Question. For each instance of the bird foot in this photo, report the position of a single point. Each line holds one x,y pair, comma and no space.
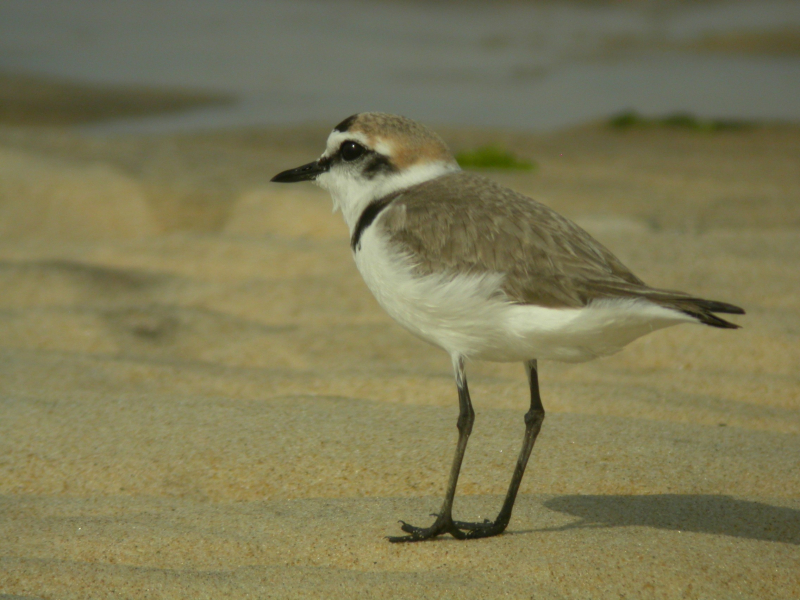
481,530
461,530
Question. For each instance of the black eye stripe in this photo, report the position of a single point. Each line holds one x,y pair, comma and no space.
372,163
378,165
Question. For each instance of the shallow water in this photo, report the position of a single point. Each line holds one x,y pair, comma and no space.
516,65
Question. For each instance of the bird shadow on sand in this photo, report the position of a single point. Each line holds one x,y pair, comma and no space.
714,514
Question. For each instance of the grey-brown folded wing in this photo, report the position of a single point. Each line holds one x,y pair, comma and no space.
468,224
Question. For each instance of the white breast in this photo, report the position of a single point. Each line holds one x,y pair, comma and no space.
469,316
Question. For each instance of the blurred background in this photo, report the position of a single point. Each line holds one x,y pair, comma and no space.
198,393
511,64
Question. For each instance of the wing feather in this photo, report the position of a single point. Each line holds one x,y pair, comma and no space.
466,223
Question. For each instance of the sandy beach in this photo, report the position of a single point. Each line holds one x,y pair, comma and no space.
199,398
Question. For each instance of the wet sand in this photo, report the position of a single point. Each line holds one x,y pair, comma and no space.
38,100
200,398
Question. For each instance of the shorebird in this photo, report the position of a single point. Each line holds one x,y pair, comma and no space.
482,272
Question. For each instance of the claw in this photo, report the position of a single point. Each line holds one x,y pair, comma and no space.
409,528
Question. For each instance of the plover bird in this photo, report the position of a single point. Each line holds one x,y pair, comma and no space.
482,272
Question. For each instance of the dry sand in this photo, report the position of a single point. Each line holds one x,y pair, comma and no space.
199,398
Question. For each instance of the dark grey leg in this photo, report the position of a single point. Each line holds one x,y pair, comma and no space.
533,424
444,519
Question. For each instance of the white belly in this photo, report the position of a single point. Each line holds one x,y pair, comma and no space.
467,315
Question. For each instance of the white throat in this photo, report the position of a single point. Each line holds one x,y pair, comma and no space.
352,194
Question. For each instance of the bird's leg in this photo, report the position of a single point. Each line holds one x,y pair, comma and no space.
533,424
444,519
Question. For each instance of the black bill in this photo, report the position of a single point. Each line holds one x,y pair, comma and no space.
305,173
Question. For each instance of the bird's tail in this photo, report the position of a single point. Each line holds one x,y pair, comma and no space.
700,309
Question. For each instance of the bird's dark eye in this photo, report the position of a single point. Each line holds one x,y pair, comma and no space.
351,150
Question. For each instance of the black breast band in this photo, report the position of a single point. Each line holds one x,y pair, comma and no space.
370,213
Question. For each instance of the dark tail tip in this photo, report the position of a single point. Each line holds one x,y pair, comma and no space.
703,311
720,307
